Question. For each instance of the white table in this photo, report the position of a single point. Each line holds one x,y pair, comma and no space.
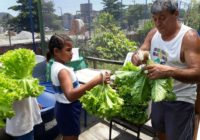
87,74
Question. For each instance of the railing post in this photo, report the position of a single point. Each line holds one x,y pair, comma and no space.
94,64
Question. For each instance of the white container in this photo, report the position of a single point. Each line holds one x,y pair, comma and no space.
75,52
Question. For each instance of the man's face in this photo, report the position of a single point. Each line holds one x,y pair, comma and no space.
164,21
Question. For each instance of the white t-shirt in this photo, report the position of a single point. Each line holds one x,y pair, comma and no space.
55,69
27,115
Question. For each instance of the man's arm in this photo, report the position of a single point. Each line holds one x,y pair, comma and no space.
191,56
144,47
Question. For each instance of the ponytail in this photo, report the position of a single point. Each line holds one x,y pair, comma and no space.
48,56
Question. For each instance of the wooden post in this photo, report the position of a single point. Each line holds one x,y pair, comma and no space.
94,64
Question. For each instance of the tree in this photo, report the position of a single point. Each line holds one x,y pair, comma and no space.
4,20
113,7
193,15
50,19
103,19
22,21
110,43
135,13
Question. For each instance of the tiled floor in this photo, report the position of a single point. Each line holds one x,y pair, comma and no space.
98,129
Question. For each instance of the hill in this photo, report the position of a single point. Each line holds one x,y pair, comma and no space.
2,14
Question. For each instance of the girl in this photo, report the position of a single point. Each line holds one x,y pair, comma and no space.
66,85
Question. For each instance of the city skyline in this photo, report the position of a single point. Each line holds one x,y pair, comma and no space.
72,6
67,6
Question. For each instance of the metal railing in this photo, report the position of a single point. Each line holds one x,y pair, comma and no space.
95,60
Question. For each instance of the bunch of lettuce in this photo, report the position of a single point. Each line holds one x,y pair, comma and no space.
102,101
16,81
134,87
161,89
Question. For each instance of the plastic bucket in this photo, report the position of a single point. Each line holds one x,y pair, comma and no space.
39,70
75,52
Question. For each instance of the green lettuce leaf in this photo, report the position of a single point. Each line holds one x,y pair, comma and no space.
162,90
18,64
102,101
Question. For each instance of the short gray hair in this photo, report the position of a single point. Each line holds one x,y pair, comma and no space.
161,5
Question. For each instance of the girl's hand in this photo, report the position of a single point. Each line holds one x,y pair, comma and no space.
105,77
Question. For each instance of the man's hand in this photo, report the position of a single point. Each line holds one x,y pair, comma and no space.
158,71
140,57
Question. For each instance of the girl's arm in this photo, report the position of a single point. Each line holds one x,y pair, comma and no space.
73,94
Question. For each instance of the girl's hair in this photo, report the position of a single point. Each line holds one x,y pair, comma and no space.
161,5
56,41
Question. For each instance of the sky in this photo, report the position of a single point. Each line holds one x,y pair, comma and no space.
67,6
70,6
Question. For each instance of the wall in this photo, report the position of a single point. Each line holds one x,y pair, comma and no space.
29,45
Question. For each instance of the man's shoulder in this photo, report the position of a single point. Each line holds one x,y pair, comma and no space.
191,39
151,34
191,35
191,32
188,29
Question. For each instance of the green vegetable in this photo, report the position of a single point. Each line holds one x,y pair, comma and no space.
16,81
132,86
102,101
18,64
137,90
162,90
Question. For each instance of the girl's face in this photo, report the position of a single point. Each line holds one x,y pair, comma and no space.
65,54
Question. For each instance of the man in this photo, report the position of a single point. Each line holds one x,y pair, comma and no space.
175,48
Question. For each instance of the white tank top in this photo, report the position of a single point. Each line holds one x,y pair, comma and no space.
55,69
168,53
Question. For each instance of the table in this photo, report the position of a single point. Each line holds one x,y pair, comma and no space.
133,127
87,74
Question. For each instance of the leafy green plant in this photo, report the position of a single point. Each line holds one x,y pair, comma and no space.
132,85
102,101
192,16
148,25
136,89
111,43
103,19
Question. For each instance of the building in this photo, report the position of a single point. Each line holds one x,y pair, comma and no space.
67,19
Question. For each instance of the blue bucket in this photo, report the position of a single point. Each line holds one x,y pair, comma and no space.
47,130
